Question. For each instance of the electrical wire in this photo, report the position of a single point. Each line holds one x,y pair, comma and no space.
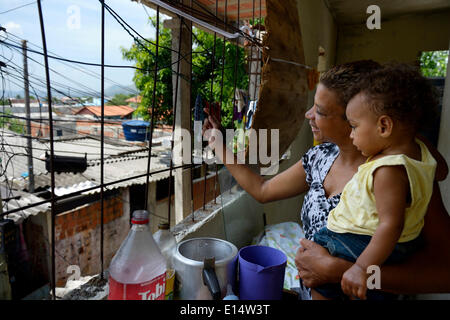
10,45
78,68
76,193
19,7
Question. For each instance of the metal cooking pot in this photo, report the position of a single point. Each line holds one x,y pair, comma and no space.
203,268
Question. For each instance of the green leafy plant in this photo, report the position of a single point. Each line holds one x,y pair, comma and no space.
234,72
13,124
119,99
434,63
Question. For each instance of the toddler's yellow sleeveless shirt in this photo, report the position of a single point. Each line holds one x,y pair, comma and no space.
356,211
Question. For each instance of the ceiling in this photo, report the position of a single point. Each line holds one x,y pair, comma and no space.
247,8
347,12
206,10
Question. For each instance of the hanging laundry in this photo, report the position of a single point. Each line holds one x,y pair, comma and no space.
241,104
250,113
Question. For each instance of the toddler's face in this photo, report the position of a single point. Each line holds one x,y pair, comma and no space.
364,126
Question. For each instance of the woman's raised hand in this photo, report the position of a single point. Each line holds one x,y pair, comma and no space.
210,123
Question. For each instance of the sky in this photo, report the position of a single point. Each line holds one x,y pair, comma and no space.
73,31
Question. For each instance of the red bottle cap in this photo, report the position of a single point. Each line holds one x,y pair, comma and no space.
140,217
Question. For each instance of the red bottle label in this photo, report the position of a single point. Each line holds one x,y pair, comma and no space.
150,290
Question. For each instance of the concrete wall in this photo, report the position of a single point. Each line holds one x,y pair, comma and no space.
161,207
444,134
318,29
43,130
77,235
399,39
238,220
111,130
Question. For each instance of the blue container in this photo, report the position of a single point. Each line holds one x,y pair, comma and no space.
136,130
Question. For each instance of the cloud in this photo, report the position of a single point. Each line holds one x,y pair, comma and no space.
14,28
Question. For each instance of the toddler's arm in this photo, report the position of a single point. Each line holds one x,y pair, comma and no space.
425,271
391,187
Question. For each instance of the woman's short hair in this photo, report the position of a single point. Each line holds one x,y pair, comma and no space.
400,91
343,78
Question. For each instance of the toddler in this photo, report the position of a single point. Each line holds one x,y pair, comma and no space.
381,211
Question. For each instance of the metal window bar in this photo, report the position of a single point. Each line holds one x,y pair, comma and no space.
52,173
79,192
150,140
102,137
220,106
211,100
174,118
249,59
216,180
53,200
92,64
191,125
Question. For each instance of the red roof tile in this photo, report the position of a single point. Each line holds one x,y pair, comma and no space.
110,111
136,99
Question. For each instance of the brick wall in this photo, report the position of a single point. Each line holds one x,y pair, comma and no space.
111,130
199,187
78,234
39,129
161,206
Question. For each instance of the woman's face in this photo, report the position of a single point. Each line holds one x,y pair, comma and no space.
327,117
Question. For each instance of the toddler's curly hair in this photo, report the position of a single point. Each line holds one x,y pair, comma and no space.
400,91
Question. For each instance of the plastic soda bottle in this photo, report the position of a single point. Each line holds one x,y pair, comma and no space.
167,244
138,270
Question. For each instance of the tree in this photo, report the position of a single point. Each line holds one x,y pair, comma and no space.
119,99
234,70
434,63
7,120
144,54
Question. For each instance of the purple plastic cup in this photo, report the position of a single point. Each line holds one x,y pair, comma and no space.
261,273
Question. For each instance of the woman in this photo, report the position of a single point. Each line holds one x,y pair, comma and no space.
426,271
323,172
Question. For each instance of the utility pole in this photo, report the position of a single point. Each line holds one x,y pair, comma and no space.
28,115
181,48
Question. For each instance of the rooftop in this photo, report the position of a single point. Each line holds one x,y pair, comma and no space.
121,161
136,99
110,111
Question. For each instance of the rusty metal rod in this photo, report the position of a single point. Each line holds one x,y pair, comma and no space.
52,151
